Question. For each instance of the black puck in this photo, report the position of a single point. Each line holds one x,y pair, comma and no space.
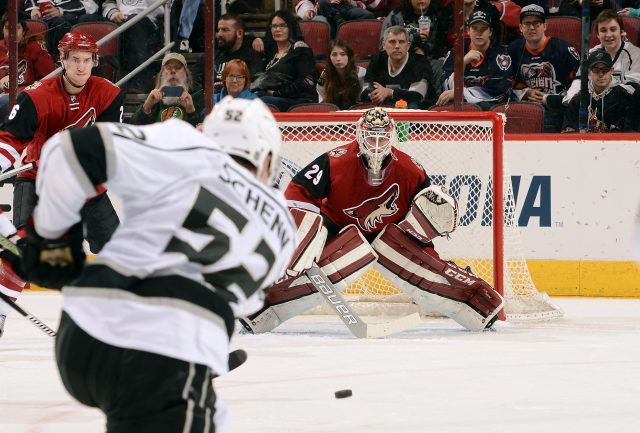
343,393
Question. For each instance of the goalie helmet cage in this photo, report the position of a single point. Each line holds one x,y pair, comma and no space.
463,151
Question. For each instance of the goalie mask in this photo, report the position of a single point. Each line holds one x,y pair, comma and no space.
376,134
246,128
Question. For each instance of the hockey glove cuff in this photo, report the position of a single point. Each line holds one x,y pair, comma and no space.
52,263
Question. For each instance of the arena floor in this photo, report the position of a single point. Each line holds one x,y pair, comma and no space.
580,373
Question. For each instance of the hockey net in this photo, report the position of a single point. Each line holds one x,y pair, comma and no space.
464,152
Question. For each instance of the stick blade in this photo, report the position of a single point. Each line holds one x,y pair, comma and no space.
380,330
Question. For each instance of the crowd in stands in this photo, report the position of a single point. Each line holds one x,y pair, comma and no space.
509,57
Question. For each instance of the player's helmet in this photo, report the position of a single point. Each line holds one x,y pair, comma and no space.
76,41
376,134
246,129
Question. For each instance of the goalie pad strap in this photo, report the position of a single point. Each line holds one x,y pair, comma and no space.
454,292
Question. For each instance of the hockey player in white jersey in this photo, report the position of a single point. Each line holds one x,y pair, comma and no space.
146,325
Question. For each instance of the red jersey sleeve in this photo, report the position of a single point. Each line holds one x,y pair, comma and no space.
41,60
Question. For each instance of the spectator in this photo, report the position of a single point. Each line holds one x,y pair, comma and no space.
232,43
397,73
290,73
431,42
60,16
307,10
471,6
339,11
613,106
92,12
237,81
34,62
544,65
574,8
629,8
488,76
625,55
188,16
170,98
139,41
342,80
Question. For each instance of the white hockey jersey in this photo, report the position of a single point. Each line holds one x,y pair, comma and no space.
626,67
190,214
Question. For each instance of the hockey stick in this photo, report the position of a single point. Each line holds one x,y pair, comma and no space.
10,247
349,317
9,174
50,332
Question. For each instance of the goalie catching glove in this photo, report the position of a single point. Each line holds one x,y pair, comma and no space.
433,213
52,263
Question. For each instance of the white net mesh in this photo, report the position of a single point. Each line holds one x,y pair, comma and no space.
458,153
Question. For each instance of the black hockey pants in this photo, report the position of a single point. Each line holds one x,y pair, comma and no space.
139,392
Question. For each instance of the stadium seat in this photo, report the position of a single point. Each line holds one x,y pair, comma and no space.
109,52
316,35
566,28
449,107
37,27
632,28
362,35
522,117
273,108
314,107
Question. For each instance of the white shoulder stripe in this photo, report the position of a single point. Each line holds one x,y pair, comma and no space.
303,205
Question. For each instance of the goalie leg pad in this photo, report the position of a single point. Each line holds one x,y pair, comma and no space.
345,259
287,298
434,283
311,235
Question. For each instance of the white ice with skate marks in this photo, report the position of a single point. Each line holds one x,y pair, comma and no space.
580,373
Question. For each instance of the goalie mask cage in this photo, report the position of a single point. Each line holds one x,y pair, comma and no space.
463,151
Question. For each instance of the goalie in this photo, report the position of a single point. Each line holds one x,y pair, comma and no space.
369,201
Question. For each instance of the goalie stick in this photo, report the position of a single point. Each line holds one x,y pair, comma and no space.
349,317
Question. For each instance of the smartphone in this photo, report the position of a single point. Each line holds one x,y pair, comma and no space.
172,91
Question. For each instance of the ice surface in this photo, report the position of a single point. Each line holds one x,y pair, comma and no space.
577,374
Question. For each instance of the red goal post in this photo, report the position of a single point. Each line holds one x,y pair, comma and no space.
463,151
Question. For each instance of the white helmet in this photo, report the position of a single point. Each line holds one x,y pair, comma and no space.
376,134
247,129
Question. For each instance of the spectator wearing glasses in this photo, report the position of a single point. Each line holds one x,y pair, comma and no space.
290,73
236,79
543,65
613,106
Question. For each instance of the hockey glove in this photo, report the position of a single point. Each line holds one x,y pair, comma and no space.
52,263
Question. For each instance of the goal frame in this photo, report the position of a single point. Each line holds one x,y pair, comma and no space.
497,121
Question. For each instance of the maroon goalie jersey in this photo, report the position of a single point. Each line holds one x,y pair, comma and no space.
335,185
45,108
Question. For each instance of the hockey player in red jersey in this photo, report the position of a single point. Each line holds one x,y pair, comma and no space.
374,202
73,99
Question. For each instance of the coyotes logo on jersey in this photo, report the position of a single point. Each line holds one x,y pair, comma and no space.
370,212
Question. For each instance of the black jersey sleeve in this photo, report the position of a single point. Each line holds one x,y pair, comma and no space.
312,183
23,118
114,111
